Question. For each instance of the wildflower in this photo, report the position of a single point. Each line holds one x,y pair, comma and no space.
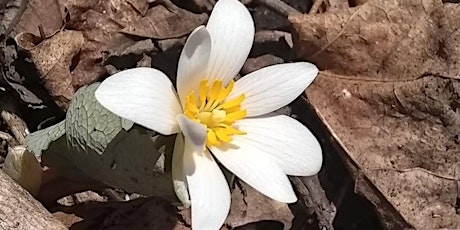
217,118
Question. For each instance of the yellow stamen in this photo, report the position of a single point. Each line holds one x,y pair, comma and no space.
234,102
232,117
213,110
211,138
202,91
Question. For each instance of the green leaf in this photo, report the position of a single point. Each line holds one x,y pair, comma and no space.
107,148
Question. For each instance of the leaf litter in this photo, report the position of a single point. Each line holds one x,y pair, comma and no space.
387,92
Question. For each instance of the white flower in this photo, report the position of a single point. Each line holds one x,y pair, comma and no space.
217,118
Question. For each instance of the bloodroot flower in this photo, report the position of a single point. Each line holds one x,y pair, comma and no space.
219,119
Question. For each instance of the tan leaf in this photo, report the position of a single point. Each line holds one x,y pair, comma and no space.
100,23
249,205
140,5
389,94
53,59
383,39
47,14
162,23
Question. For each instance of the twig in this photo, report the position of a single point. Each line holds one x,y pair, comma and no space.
264,36
278,7
314,197
8,138
315,7
16,125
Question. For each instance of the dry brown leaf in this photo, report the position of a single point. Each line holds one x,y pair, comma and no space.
100,23
53,58
249,205
394,41
47,14
161,22
390,96
140,5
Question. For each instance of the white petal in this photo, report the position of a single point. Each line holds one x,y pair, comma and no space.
208,189
193,62
232,33
178,174
256,169
291,144
193,131
273,87
144,96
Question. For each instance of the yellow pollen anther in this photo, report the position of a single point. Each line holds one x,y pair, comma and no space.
212,109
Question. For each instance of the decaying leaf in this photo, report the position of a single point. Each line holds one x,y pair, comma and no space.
161,22
389,94
249,205
53,58
100,23
45,15
10,14
140,5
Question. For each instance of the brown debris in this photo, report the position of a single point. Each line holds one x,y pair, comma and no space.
372,40
21,211
388,93
142,214
249,205
16,125
140,5
253,64
42,18
53,58
161,22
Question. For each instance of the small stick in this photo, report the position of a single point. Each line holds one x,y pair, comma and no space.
8,138
16,125
272,36
315,7
278,7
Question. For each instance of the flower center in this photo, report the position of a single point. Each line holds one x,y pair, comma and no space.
215,112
